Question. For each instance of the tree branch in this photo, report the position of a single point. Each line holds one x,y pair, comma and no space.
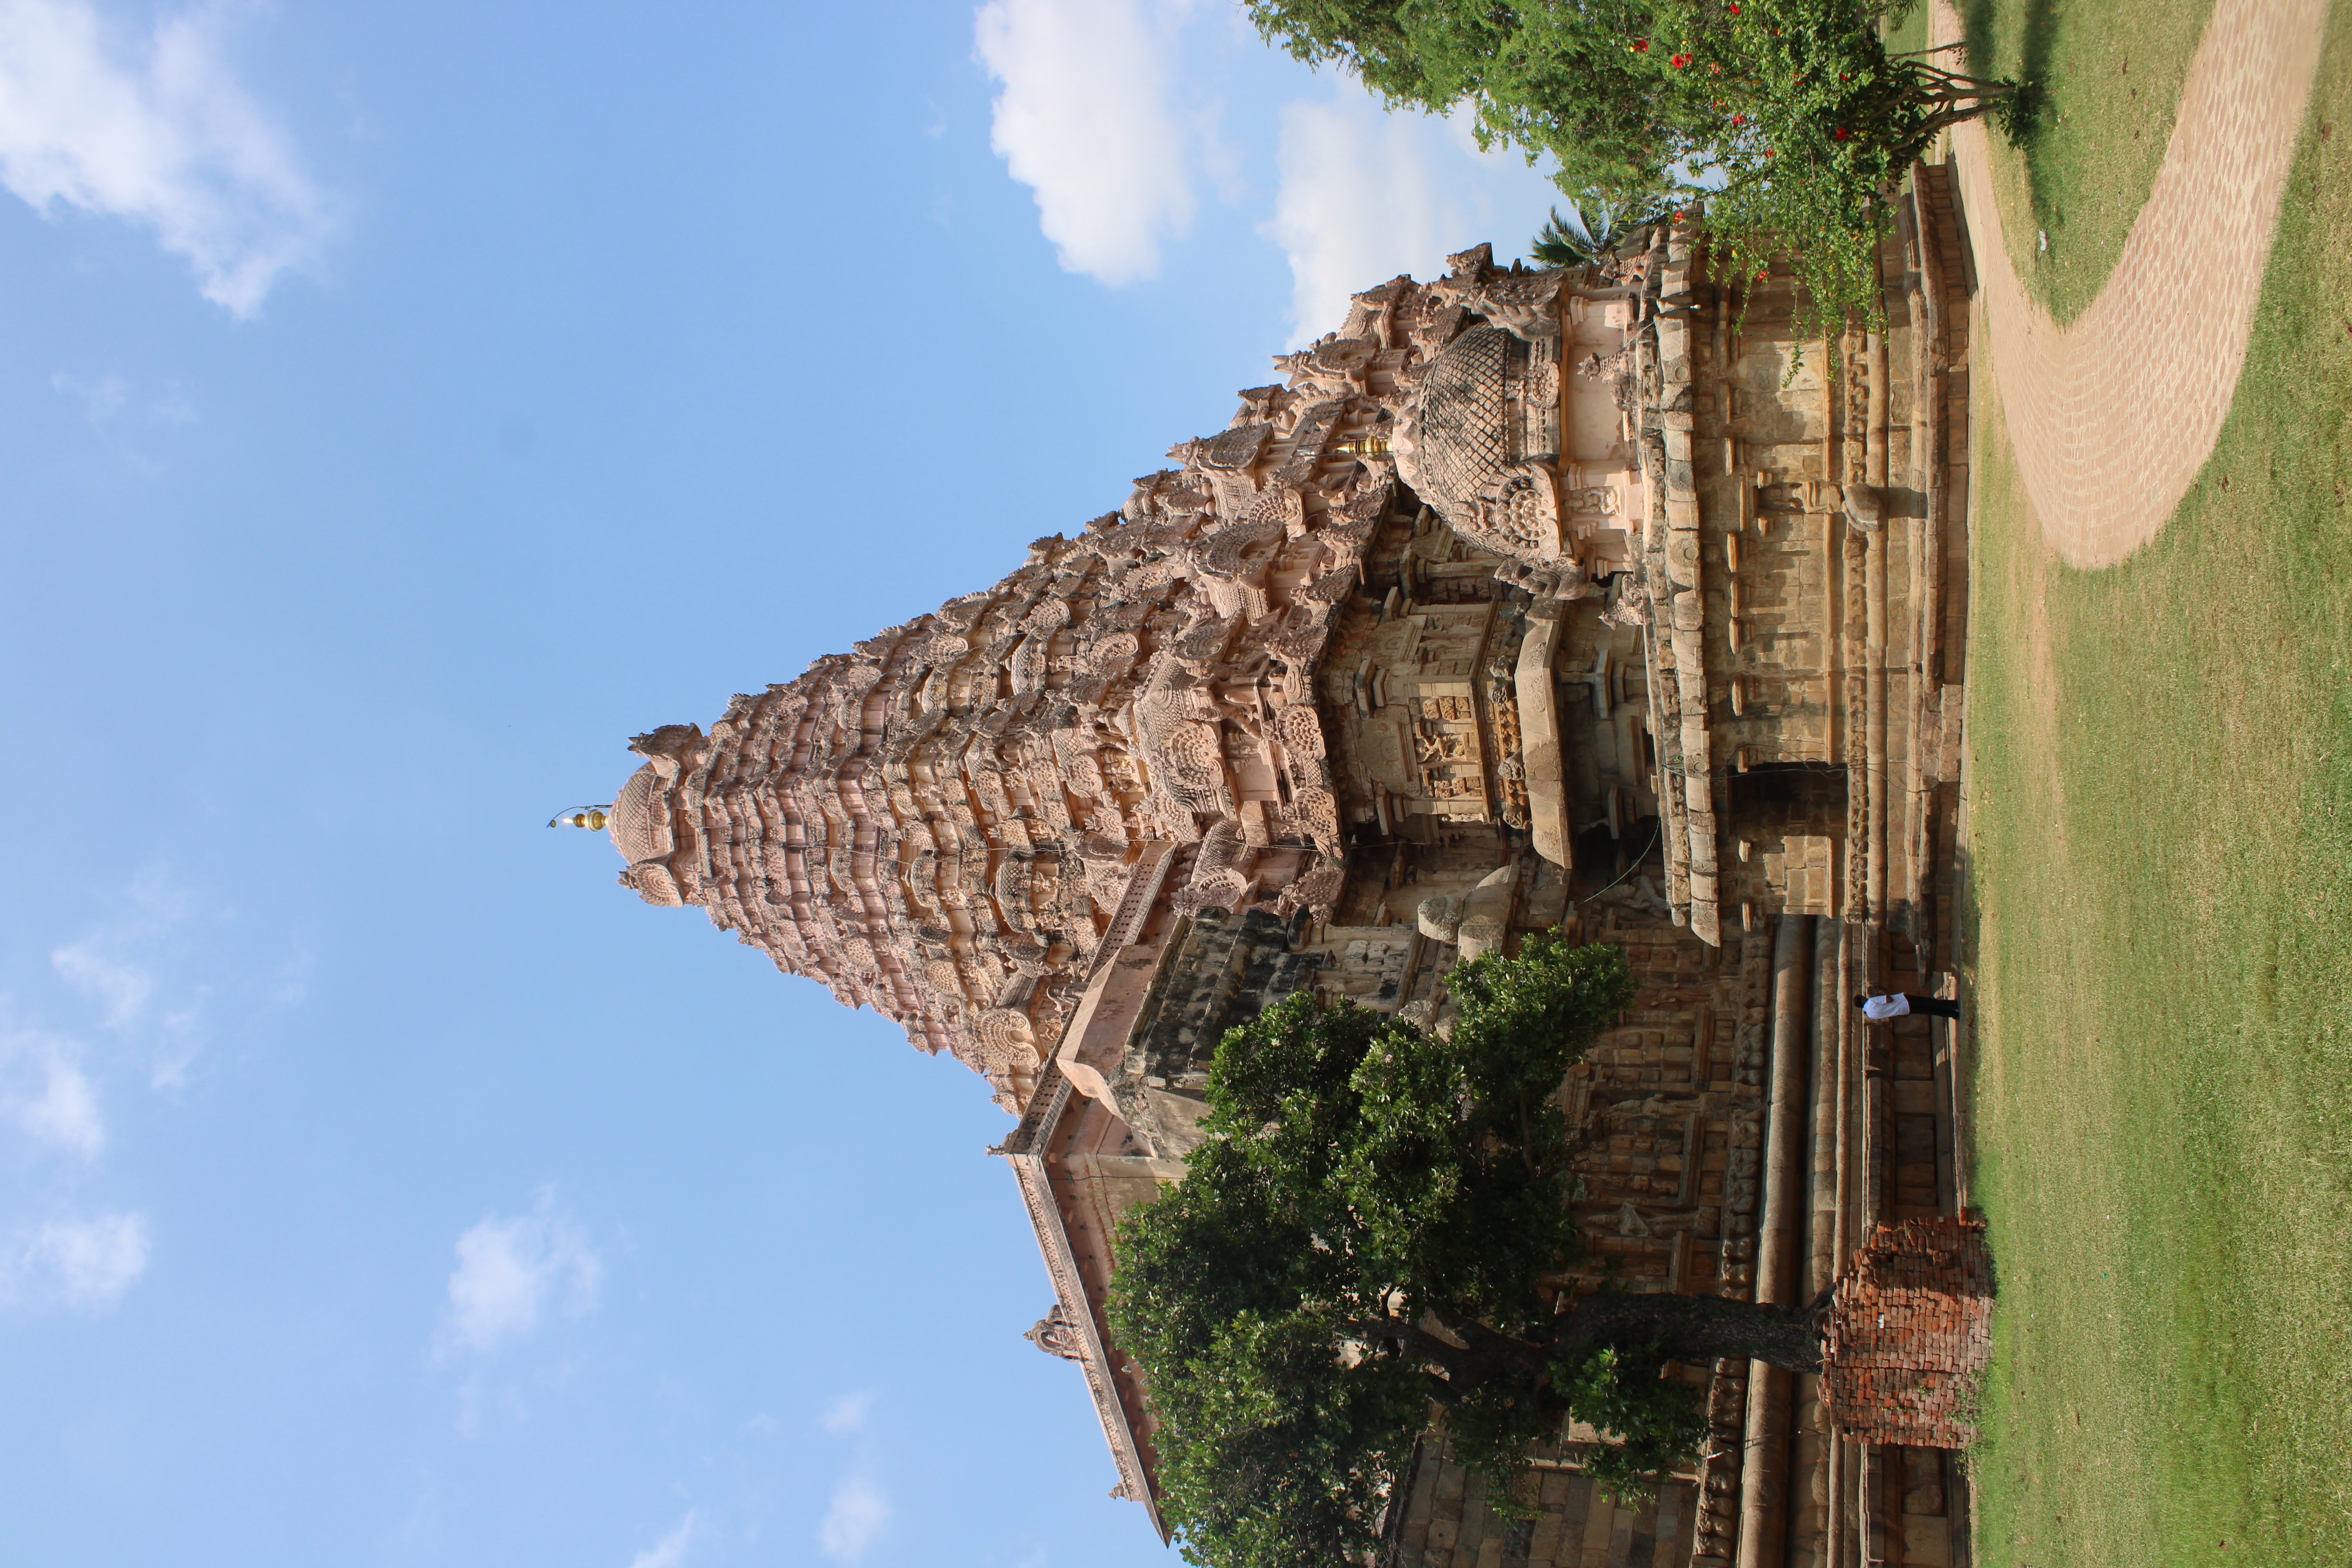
1692,1328
1417,1340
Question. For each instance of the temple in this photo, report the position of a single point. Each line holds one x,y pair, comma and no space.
1593,599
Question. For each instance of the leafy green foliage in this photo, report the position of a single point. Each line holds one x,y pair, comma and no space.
1594,228
1622,1390
1362,1179
1788,118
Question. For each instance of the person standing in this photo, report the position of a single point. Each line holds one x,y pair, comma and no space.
1900,1003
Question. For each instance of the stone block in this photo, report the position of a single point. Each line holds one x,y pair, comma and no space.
1927,1541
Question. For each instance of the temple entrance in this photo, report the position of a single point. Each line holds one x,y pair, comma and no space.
1786,798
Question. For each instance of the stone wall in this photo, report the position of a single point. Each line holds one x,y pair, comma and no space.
1219,971
1447,1523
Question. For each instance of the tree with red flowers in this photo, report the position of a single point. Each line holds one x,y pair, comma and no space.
1786,117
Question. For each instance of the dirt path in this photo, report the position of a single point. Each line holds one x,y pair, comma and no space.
2112,414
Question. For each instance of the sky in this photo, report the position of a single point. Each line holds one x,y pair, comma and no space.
400,406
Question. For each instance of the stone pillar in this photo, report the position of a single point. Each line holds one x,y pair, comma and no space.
1763,1524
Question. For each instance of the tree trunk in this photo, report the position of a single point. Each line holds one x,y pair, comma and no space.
1695,1328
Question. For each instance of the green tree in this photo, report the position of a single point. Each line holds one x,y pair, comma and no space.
1788,118
1595,227
1370,1227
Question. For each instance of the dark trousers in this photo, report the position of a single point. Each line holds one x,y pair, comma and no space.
1933,1006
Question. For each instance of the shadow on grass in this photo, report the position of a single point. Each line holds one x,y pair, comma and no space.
1982,22
1966,1042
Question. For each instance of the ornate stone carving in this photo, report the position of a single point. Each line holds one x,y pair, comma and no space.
954,802
1439,917
1055,1335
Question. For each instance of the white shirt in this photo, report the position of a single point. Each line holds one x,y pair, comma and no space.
1878,1009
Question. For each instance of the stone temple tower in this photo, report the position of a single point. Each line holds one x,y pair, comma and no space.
1594,600
949,822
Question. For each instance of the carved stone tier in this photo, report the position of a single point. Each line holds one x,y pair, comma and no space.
942,824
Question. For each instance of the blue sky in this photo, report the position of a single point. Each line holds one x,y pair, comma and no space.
400,406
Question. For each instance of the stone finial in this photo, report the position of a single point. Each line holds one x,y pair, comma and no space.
1055,1335
1440,917
671,749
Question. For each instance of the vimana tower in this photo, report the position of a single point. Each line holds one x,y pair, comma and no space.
1594,599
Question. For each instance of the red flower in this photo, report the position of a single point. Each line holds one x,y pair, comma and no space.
1679,214
1641,46
1842,134
1733,9
1679,61
1740,119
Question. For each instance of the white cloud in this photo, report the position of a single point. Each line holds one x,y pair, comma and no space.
507,1269
856,1516
848,1413
1365,195
101,396
44,1090
156,972
155,130
104,396
1088,119
86,1264
120,988
670,1550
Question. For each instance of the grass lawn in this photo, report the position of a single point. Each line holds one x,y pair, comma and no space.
2111,73
2160,929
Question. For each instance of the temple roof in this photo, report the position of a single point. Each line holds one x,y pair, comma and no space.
940,823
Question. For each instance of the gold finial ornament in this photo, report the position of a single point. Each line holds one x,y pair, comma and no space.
1363,446
591,818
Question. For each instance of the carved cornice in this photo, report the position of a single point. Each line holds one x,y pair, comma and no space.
1070,1290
